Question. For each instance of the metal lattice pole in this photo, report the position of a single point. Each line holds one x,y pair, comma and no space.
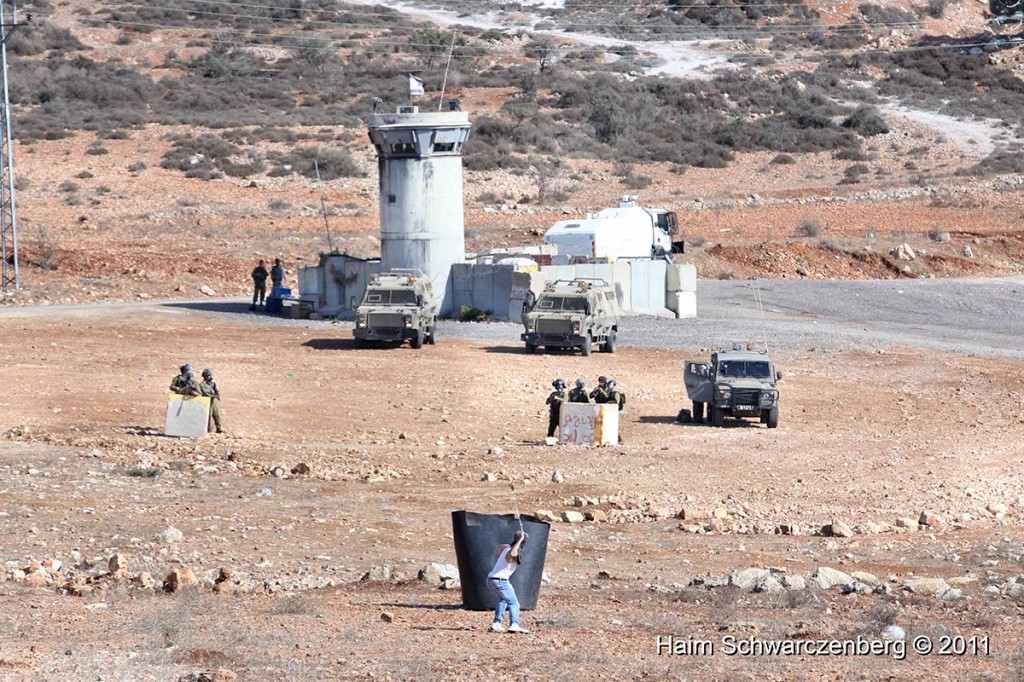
8,221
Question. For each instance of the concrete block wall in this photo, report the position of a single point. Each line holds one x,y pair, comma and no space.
681,290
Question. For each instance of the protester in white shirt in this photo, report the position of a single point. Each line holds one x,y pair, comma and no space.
497,580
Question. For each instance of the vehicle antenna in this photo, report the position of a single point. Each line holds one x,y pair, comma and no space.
323,206
760,309
451,48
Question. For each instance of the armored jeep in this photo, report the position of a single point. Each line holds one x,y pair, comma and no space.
578,313
738,383
397,305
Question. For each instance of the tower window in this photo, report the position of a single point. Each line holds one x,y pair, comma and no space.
444,147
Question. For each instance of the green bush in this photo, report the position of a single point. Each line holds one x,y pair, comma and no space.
473,314
866,121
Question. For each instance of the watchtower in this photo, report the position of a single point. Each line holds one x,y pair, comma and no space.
419,164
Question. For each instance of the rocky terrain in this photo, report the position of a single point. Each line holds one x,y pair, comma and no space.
313,540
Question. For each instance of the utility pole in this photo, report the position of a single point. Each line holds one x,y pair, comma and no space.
9,274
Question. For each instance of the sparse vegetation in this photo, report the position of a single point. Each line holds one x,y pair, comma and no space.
473,314
810,227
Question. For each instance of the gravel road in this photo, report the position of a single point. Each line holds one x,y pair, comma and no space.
983,317
976,316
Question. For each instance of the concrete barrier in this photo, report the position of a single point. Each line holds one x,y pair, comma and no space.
647,281
682,303
588,424
681,278
187,416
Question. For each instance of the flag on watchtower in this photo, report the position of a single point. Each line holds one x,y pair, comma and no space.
415,86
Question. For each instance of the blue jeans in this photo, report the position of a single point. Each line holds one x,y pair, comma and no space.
506,600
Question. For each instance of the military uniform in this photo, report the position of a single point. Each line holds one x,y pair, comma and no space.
617,397
209,389
184,386
259,284
599,395
578,395
555,400
277,274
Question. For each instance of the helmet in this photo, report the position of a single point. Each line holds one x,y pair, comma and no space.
207,373
558,383
611,384
186,368
580,383
189,376
602,379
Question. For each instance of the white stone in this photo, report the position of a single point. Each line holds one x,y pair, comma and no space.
825,578
171,535
572,517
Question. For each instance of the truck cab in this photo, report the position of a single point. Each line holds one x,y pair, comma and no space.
397,306
626,231
738,383
579,313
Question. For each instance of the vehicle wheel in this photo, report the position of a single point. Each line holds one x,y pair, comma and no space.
609,345
530,348
432,337
417,341
773,417
717,416
586,348
698,412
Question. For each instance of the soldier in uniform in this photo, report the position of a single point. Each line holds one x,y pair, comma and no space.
277,274
600,394
615,395
180,382
259,284
208,388
185,383
554,401
579,394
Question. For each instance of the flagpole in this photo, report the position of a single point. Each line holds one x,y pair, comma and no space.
444,83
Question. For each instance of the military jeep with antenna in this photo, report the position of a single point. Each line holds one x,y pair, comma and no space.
397,305
738,383
578,313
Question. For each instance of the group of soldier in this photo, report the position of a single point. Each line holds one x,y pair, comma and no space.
185,384
606,392
259,281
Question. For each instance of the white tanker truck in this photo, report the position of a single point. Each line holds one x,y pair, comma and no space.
626,231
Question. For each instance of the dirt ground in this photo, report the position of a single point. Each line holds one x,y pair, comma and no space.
396,439
393,440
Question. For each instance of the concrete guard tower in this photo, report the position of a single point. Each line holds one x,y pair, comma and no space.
419,164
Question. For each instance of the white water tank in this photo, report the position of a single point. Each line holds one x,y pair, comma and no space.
419,163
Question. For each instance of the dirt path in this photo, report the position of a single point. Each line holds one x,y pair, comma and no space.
395,439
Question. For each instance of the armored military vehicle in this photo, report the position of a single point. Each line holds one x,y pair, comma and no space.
737,383
397,305
578,313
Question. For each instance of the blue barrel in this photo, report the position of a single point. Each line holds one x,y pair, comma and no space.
280,292
477,541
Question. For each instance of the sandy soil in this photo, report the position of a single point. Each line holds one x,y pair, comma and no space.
393,444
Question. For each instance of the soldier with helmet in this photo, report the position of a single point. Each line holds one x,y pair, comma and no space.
185,382
208,388
579,394
616,396
600,394
554,402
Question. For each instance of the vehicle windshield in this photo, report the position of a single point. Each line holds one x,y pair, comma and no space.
744,368
390,297
565,303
